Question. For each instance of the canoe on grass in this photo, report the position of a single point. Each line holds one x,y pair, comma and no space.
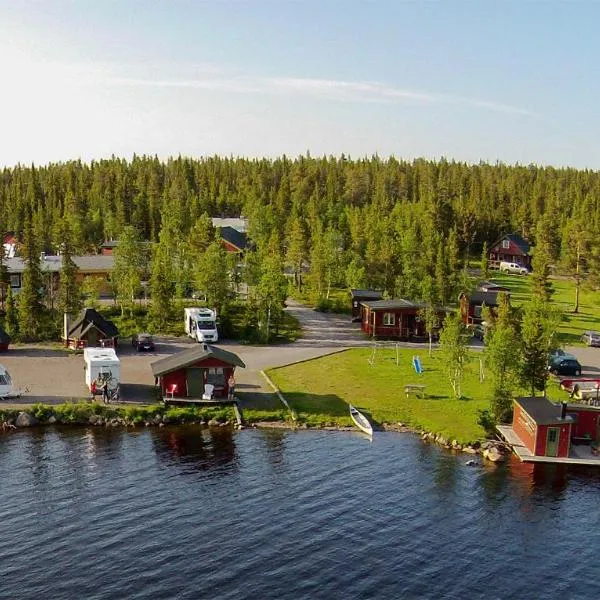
360,420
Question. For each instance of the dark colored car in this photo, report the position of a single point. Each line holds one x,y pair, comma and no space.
565,366
143,341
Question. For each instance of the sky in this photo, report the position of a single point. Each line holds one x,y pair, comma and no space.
479,80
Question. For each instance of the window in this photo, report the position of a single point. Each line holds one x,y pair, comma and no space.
15,281
505,244
5,379
215,376
389,319
552,437
477,312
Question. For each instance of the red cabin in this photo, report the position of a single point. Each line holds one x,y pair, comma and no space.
359,296
510,248
471,305
184,376
544,428
395,319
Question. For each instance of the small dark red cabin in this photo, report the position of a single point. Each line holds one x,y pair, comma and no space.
544,428
510,248
471,305
182,377
359,296
395,319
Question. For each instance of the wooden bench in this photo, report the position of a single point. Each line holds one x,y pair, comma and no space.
417,390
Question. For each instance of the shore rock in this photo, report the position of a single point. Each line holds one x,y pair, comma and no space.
52,420
95,420
213,423
493,454
25,420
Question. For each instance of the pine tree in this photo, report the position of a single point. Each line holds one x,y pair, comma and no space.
128,268
485,261
69,291
11,319
161,285
31,308
213,276
540,276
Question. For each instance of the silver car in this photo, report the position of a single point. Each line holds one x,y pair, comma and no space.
591,338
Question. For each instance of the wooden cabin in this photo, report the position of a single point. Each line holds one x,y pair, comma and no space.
510,248
92,330
471,305
358,296
544,428
183,377
233,240
397,319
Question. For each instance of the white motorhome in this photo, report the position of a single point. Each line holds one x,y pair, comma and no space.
7,389
101,364
201,324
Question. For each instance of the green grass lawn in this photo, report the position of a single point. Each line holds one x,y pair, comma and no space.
378,390
573,325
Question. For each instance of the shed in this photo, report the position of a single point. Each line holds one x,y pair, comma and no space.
4,340
182,376
543,427
92,330
471,305
395,319
510,248
359,296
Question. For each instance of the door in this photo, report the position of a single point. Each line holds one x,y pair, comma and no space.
195,382
552,439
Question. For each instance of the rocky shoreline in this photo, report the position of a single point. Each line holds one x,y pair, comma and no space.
491,450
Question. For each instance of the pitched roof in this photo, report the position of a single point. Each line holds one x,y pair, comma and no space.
541,410
487,298
490,286
183,359
92,318
53,264
366,294
232,236
397,303
517,240
239,223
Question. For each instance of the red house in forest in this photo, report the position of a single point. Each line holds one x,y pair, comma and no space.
471,305
185,376
510,248
544,428
395,319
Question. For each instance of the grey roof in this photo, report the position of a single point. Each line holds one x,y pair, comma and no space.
92,318
240,224
183,359
488,298
366,294
87,263
490,286
239,239
541,410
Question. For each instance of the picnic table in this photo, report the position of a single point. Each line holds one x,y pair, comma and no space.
417,390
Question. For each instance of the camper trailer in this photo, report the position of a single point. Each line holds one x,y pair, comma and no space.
201,324
101,364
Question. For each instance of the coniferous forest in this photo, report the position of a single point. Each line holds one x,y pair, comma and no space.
403,227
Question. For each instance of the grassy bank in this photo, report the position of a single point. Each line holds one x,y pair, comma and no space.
320,390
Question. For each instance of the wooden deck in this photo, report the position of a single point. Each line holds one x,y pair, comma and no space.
580,455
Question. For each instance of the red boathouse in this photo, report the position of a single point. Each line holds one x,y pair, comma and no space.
183,377
544,428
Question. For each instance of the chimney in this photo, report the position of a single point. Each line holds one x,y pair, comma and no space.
563,411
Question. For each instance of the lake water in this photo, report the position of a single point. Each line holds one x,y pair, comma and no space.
188,513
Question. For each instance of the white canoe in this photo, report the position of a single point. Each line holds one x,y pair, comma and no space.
360,420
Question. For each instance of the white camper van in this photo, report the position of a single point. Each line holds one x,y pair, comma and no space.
7,389
201,324
101,364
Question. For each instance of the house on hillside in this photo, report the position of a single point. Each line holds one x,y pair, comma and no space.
510,248
471,305
108,247
396,319
9,242
96,265
92,330
358,296
184,376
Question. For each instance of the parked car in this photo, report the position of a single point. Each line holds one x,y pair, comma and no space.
510,267
143,341
565,366
591,338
